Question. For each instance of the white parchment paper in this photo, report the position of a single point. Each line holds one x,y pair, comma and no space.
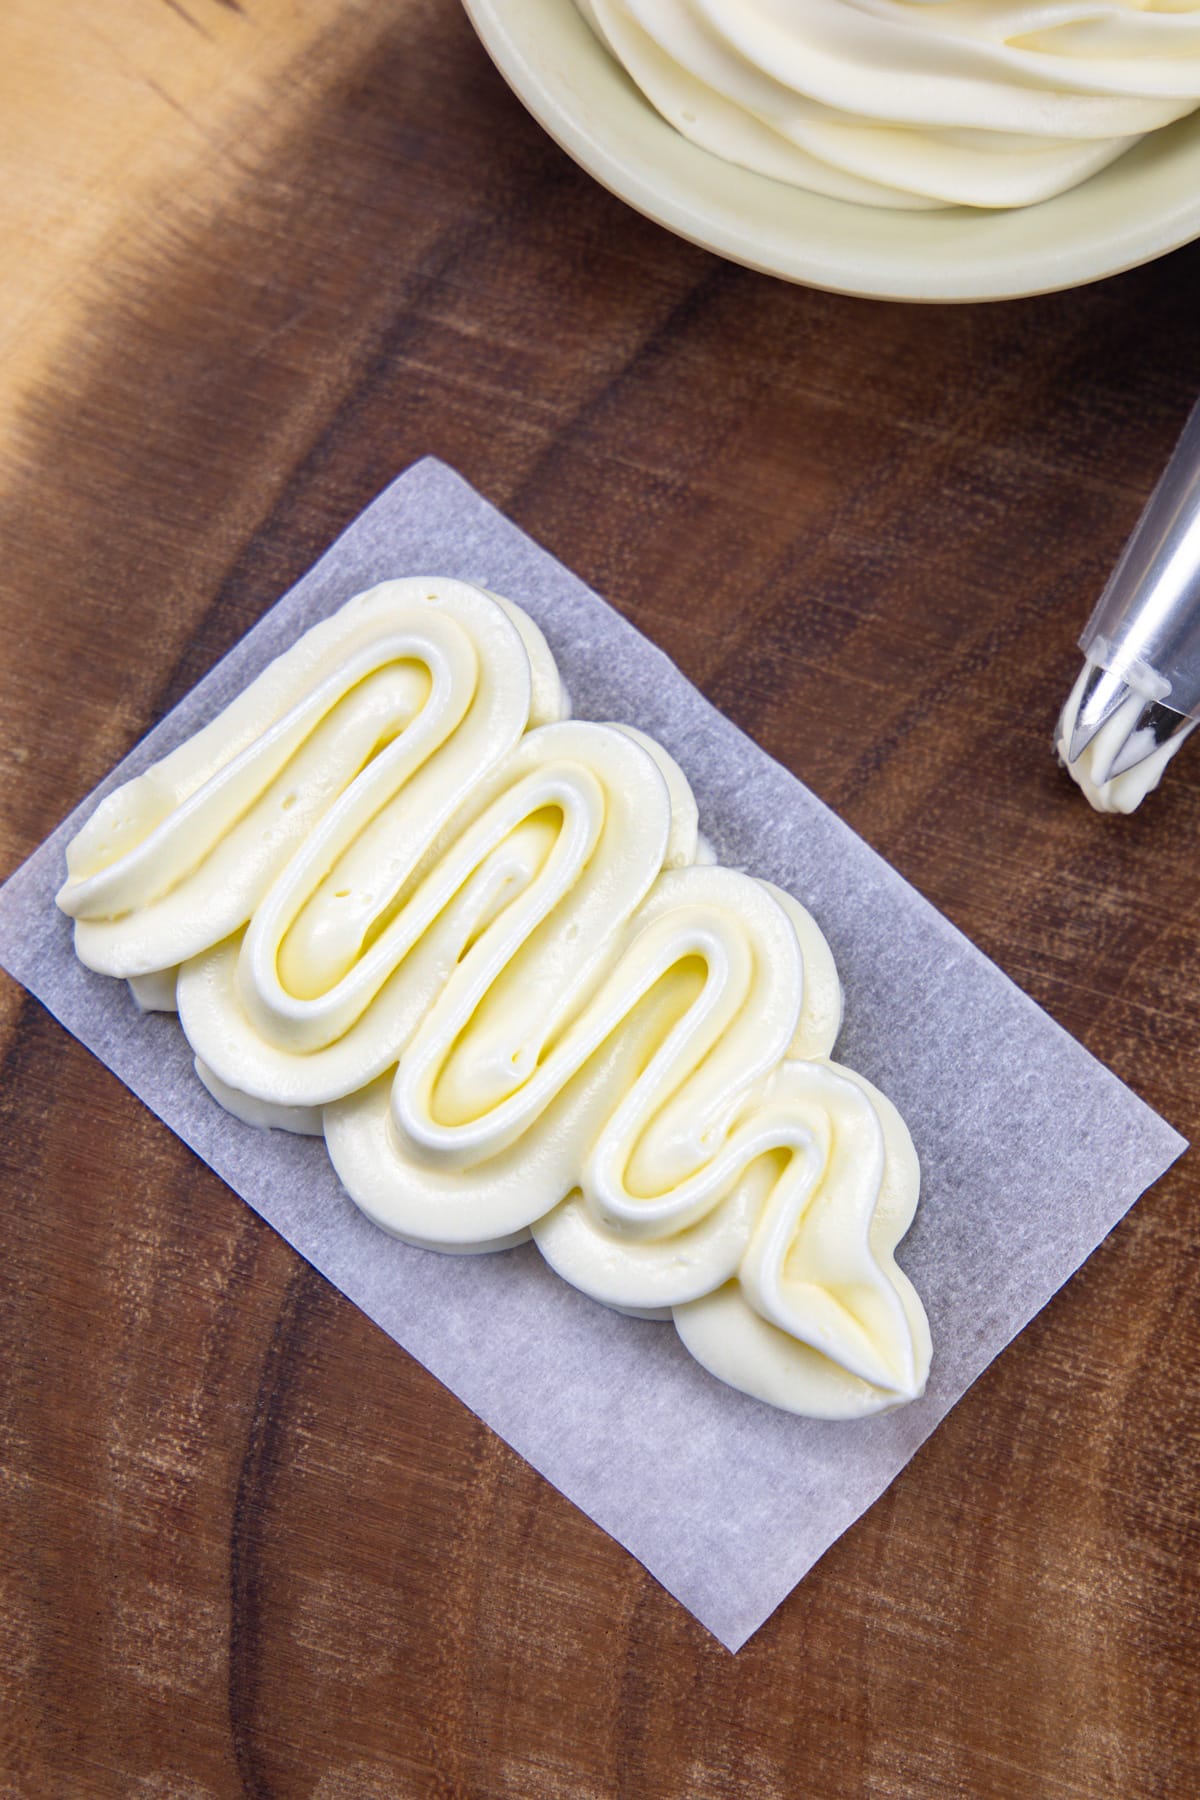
1030,1150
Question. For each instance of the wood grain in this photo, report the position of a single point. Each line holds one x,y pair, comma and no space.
247,1546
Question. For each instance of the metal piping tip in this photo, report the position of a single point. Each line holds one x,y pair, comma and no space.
1118,753
1154,726
1103,695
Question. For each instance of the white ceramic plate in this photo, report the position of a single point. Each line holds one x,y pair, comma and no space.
1144,204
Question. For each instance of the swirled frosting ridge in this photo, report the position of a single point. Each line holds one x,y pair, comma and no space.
912,103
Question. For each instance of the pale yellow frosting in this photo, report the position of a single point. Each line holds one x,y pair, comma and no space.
398,896
912,103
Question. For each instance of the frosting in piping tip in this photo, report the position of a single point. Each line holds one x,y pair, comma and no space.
398,896
1092,768
911,103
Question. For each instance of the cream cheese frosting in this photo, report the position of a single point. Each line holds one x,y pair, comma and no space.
399,897
912,103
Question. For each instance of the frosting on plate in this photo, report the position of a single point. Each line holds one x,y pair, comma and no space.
912,103
398,896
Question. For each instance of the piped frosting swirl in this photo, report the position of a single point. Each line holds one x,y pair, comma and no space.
411,904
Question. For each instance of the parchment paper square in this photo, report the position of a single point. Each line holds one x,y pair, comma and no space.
1030,1149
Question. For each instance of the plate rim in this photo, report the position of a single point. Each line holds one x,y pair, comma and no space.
497,24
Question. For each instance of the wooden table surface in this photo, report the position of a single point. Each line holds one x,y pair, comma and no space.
259,256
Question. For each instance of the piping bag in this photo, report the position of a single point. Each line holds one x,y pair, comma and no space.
1138,696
